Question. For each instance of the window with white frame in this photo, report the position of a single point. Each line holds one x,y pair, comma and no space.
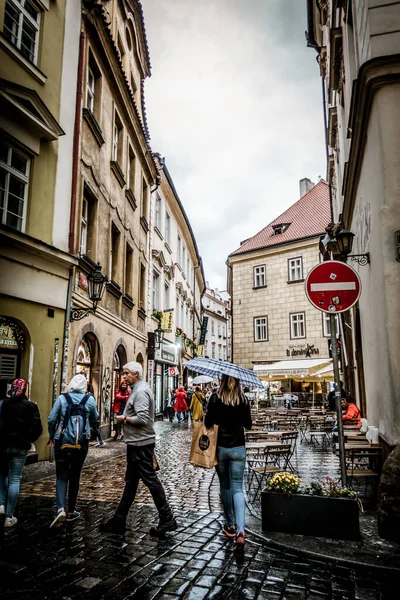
158,213
326,324
90,90
21,27
84,224
177,320
212,327
131,166
183,264
14,183
297,325
219,352
260,329
213,350
117,150
167,228
179,257
166,295
156,291
260,278
295,268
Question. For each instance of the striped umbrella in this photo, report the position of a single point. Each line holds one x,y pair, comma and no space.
216,368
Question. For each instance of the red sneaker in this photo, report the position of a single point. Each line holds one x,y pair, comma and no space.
229,531
239,544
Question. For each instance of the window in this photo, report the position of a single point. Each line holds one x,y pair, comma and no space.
14,183
183,263
142,286
145,198
117,140
260,279
213,350
261,329
114,253
177,320
295,268
21,27
158,213
297,325
130,174
128,270
182,317
156,291
88,225
166,296
219,330
188,268
212,327
167,228
326,324
219,352
179,257
90,90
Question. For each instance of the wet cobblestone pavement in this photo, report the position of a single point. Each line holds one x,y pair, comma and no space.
196,562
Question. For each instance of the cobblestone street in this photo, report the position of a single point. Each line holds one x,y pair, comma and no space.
77,561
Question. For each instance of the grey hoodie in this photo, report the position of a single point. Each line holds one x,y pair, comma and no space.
140,409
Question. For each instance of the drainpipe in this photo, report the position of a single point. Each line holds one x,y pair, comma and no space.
231,295
76,143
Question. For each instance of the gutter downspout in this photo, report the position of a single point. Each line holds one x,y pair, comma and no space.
231,295
76,143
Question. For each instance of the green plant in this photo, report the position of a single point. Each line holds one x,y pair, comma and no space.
157,314
285,483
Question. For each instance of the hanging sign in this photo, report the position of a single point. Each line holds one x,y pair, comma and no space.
200,350
172,372
203,331
167,320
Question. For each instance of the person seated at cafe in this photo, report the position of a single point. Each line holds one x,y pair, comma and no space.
351,413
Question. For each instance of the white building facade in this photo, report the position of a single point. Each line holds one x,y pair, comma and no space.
216,307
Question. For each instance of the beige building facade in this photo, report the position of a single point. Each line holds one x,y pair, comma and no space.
38,63
176,286
216,308
115,174
272,319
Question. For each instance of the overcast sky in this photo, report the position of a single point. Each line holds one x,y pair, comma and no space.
234,105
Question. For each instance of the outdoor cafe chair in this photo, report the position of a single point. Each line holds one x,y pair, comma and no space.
274,460
363,465
290,437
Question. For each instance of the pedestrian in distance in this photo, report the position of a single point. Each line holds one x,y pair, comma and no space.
73,414
121,398
96,427
170,405
196,405
139,437
20,426
180,405
230,410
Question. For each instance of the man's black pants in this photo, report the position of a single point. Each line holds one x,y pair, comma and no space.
139,465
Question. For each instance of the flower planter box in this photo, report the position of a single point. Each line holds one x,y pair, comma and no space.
321,516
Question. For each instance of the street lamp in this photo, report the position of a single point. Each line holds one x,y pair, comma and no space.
96,283
344,240
159,335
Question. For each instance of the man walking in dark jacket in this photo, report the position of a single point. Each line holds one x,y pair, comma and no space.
139,436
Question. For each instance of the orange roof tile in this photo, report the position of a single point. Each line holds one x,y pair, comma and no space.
308,217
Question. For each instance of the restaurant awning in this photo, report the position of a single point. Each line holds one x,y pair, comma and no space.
294,369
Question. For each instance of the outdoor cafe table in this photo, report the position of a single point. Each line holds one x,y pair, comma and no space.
258,445
265,434
360,446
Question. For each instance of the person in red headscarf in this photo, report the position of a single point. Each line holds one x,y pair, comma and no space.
180,406
21,426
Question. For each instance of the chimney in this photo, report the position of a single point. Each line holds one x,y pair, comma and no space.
305,186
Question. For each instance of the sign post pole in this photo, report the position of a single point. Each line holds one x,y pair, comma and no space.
338,399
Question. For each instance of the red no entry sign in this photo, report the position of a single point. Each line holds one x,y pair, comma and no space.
333,286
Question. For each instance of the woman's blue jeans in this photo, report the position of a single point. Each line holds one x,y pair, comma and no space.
9,485
230,470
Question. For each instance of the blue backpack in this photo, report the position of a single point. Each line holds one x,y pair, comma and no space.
73,430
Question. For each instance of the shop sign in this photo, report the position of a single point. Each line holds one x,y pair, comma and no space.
167,353
200,350
167,320
150,372
303,350
203,331
7,338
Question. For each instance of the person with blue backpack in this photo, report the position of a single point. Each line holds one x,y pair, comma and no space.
73,414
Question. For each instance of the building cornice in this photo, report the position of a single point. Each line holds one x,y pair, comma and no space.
372,75
276,249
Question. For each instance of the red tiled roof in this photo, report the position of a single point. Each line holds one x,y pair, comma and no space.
307,217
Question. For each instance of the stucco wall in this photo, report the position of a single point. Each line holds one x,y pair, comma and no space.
375,219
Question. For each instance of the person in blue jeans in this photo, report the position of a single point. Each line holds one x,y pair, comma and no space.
69,462
21,426
230,410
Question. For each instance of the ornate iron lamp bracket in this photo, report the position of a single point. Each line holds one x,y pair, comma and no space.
361,259
79,313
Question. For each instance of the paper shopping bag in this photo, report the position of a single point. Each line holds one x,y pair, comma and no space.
204,446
